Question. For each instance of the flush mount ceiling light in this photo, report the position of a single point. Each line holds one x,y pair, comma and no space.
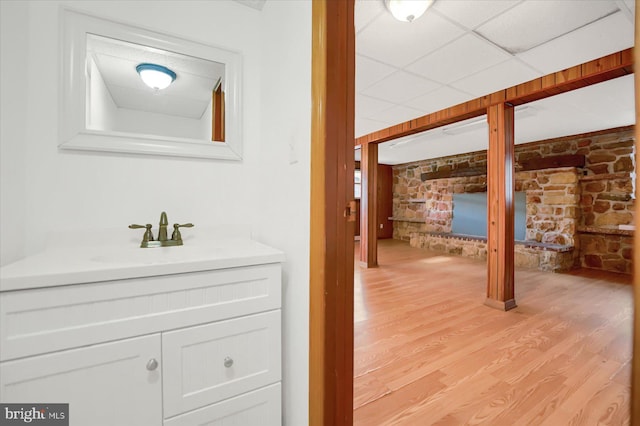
407,10
156,76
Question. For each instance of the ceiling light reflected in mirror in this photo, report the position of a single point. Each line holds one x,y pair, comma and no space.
107,107
156,76
133,88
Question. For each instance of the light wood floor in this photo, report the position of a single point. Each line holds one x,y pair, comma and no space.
428,351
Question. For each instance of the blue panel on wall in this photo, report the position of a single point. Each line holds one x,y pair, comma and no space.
520,226
470,214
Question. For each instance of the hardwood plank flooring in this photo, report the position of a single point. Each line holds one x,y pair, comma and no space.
429,352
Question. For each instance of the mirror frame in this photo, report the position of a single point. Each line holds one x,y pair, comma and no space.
74,134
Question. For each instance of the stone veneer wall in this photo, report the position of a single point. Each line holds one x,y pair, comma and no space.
552,204
553,259
568,206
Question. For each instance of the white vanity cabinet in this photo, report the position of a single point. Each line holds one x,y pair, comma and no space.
190,348
106,384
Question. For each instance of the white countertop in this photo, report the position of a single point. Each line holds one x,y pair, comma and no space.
65,265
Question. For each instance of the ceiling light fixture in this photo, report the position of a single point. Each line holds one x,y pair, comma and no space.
156,76
407,10
521,111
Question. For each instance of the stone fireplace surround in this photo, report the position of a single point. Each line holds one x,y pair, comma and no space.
572,213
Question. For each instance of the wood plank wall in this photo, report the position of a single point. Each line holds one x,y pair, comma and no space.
385,202
635,373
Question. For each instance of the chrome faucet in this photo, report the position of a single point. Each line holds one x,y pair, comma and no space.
162,241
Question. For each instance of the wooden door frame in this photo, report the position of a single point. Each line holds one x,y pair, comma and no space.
331,236
635,362
332,231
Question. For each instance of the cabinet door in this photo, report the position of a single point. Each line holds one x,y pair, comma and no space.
208,363
260,407
111,384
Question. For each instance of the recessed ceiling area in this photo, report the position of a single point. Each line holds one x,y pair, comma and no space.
464,49
597,107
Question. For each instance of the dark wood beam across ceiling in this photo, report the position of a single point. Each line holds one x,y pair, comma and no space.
597,71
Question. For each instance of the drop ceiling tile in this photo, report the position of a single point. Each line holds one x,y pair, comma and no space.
400,87
369,71
472,13
462,57
611,95
367,106
498,77
365,126
606,36
400,43
397,114
597,107
431,144
438,99
366,11
532,23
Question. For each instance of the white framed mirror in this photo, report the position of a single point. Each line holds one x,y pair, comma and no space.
106,106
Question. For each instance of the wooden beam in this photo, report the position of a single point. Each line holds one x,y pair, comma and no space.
444,174
369,206
553,162
331,237
592,72
500,208
550,162
635,363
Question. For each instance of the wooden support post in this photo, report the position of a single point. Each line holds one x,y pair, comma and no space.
500,208
331,245
635,368
369,206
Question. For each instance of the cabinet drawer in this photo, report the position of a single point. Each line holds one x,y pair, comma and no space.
105,385
261,407
216,361
48,319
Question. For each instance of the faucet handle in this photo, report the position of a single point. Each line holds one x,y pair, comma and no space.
176,236
148,235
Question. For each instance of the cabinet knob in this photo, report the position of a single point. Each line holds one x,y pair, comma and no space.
152,364
228,362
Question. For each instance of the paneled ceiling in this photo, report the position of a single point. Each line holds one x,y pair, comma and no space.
463,49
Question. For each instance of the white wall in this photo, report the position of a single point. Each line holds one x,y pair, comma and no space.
13,110
283,160
45,190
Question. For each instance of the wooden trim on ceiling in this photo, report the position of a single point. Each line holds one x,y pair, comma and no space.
592,72
331,237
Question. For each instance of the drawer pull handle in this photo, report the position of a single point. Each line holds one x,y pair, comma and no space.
152,364
228,362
